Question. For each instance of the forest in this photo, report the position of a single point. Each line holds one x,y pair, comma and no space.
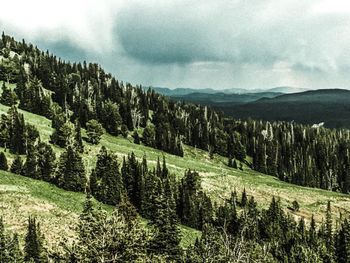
78,96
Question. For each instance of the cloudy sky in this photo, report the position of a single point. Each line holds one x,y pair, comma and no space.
199,44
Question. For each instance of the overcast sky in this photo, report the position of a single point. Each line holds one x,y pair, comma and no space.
198,44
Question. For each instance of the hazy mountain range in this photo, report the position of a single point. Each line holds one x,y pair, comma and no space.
331,106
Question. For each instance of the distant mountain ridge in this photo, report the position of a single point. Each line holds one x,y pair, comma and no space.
331,106
187,91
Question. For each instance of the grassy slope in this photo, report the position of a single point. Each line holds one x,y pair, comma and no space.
59,208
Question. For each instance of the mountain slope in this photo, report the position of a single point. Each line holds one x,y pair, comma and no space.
218,180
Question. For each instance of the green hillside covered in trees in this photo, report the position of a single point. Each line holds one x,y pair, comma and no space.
161,172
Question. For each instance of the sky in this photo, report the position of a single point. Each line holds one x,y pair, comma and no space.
218,44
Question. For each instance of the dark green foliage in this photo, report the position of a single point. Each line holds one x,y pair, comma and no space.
166,241
3,162
106,183
33,97
17,165
109,238
71,172
124,130
78,141
94,131
244,198
136,137
9,246
194,208
34,249
148,136
110,117
63,129
30,167
46,162
133,180
343,243
8,97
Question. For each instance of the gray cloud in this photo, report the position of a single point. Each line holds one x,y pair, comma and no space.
218,44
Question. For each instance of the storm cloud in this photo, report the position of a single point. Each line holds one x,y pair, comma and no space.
215,44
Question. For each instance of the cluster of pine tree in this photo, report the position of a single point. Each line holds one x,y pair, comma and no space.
239,232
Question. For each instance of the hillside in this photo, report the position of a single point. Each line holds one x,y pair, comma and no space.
175,163
217,179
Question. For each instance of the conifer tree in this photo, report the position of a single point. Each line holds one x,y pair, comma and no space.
17,165
105,181
343,243
244,198
166,241
8,97
34,249
71,172
136,137
30,167
94,131
110,238
78,141
46,161
3,162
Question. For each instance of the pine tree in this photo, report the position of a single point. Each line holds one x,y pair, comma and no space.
343,243
17,165
166,241
244,198
33,248
78,141
15,252
136,137
71,172
110,238
46,162
3,162
105,181
8,97
94,131
30,167
312,240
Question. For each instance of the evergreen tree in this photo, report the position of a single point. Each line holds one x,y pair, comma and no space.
343,243
105,181
136,137
148,136
8,97
46,159
78,141
30,167
71,172
17,165
166,240
110,238
34,249
244,198
3,162
94,131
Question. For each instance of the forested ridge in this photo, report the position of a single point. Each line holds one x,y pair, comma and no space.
82,96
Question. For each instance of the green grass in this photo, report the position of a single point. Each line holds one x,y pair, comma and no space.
218,180
56,209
